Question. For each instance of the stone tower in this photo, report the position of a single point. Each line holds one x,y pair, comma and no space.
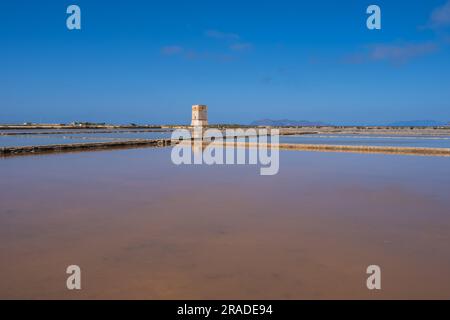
199,115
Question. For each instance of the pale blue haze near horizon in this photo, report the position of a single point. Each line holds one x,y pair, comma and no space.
149,61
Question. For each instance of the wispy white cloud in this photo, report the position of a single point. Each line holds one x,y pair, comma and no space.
400,53
193,54
440,17
393,53
221,35
232,39
231,48
171,50
241,46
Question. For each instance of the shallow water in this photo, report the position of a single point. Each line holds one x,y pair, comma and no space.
79,131
141,227
49,139
370,140
38,140
83,136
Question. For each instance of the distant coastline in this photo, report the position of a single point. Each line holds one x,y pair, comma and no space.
284,123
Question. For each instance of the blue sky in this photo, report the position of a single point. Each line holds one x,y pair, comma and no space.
149,61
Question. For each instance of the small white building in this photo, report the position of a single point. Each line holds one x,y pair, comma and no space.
199,115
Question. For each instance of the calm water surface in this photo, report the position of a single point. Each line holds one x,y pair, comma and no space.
49,139
141,227
370,140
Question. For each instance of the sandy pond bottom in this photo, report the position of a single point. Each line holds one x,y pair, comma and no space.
141,227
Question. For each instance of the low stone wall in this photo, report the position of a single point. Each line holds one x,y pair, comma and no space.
359,149
13,151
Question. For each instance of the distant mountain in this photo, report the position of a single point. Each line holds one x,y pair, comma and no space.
306,123
419,123
287,123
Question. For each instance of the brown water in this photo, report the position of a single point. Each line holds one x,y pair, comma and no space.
140,227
